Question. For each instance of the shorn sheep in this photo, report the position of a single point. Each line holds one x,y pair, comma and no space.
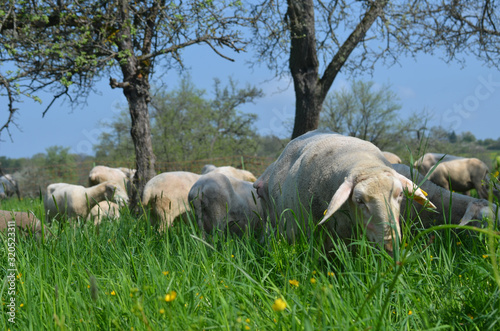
230,171
100,174
77,201
428,160
226,203
166,195
24,222
391,157
322,173
9,187
462,175
463,208
104,209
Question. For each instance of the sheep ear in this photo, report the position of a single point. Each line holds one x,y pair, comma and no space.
417,194
338,199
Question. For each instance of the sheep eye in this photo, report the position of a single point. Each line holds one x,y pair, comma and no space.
359,201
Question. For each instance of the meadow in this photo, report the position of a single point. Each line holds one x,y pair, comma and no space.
124,275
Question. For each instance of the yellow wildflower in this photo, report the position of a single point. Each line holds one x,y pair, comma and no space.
165,273
279,305
410,312
459,243
247,320
294,282
313,281
21,305
162,311
314,272
170,296
485,256
113,293
247,327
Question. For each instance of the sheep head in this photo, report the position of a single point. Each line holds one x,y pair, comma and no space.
378,197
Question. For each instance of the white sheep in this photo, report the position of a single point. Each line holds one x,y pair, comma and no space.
428,160
230,171
24,222
9,187
391,157
320,173
223,203
76,200
462,175
166,195
463,208
103,209
100,174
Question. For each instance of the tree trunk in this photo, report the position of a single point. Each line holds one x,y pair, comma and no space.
310,89
137,94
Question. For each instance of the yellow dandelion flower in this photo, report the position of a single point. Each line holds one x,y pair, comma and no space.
279,305
274,320
314,272
201,297
459,243
410,312
313,281
162,311
470,316
232,255
113,293
394,312
131,295
496,173
165,273
170,296
330,274
406,244
247,327
294,282
238,320
485,256
21,305
247,320
459,276
88,286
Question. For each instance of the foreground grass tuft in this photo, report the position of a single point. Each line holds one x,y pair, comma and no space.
125,275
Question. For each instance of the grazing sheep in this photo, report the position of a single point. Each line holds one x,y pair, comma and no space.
101,174
463,208
9,187
25,222
230,171
428,160
324,170
166,195
104,209
391,157
461,175
76,200
223,202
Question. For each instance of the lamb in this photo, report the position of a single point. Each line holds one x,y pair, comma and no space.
100,174
463,208
25,222
166,195
324,170
76,200
391,157
9,187
428,160
461,175
104,209
223,202
230,171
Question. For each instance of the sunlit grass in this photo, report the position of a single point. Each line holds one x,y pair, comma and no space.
125,275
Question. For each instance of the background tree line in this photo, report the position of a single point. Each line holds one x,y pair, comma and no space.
191,127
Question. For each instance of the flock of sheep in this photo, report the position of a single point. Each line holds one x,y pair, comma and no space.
338,182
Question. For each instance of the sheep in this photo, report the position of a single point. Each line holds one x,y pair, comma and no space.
461,175
166,195
76,200
103,209
100,174
223,202
26,222
428,160
463,208
391,157
324,170
9,187
230,171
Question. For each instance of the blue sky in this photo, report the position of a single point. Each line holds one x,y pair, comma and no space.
461,99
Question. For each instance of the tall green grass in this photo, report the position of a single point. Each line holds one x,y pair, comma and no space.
123,275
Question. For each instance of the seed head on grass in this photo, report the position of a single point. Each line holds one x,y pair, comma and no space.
279,305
